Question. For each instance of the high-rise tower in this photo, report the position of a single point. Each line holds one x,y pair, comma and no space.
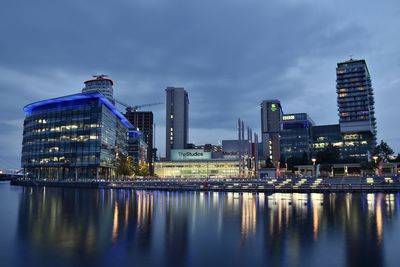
271,117
177,119
355,98
143,120
100,84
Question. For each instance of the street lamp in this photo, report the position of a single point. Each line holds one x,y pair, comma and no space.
375,157
207,176
278,169
313,162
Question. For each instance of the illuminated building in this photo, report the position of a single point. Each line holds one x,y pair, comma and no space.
355,98
177,119
196,163
75,136
355,135
326,134
216,168
296,136
271,116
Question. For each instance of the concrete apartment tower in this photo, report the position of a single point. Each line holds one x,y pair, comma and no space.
177,119
355,98
271,117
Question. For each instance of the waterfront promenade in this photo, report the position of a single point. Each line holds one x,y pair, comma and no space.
285,184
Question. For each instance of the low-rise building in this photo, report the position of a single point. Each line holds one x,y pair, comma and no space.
217,168
196,163
326,134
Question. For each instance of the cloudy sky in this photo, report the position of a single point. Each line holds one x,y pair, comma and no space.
228,54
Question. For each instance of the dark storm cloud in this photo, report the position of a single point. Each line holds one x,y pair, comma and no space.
230,55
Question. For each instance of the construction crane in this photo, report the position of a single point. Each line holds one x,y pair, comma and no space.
130,108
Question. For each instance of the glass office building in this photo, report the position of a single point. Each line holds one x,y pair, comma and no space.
296,137
137,147
73,137
323,135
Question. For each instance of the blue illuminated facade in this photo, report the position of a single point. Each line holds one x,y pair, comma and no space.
73,137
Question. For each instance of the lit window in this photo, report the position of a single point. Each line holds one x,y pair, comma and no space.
53,149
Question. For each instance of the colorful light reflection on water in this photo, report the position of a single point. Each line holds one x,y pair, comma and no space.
78,227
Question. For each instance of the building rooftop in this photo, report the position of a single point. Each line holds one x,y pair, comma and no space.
100,78
30,107
353,61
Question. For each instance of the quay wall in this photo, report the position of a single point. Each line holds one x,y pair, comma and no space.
215,186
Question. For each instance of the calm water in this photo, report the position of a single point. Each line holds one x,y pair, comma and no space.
78,227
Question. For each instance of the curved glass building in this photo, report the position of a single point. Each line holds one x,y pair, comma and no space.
73,137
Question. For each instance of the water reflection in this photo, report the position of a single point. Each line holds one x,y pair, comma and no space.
106,227
248,215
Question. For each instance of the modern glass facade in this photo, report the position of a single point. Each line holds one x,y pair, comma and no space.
143,120
73,137
358,145
137,147
296,136
326,134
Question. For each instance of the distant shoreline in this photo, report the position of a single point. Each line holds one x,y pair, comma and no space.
250,186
